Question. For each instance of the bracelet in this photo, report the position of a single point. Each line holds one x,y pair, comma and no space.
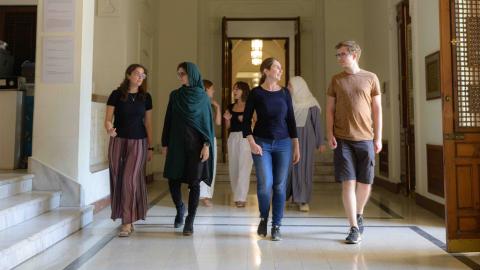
151,148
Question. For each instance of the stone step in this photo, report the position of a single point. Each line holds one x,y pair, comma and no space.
22,207
14,183
23,241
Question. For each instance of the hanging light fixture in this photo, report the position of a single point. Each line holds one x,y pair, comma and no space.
256,52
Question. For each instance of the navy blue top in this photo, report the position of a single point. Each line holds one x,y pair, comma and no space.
130,113
235,124
275,117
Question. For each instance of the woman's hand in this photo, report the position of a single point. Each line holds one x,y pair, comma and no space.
322,148
215,104
227,115
240,118
205,153
256,149
149,155
296,152
112,132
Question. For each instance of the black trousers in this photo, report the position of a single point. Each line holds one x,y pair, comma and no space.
193,196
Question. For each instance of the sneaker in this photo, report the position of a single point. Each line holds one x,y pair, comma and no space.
262,227
304,207
276,235
354,236
360,223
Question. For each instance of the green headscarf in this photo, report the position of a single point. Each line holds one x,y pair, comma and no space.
190,105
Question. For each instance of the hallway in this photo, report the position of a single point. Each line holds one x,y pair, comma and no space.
398,235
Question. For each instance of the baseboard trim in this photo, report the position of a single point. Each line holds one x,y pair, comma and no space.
431,205
101,204
382,182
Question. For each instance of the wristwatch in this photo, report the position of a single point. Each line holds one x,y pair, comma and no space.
151,148
207,144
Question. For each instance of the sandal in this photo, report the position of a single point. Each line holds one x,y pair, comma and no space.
124,234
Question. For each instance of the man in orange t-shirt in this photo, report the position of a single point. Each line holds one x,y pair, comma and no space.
354,130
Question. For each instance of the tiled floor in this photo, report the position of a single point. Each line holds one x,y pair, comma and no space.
399,235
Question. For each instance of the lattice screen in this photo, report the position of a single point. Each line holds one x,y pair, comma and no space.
467,57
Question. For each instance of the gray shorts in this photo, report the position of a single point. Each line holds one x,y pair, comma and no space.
354,160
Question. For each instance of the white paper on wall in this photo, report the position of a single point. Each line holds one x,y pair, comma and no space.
58,60
59,16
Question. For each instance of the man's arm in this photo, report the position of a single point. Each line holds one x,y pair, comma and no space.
332,142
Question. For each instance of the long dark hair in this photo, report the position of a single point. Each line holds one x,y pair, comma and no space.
266,64
245,89
124,86
207,84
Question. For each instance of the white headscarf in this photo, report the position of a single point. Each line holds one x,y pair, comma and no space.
302,100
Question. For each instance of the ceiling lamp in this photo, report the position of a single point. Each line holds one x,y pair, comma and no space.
256,53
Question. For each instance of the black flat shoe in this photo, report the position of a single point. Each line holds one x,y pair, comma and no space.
188,228
262,227
179,217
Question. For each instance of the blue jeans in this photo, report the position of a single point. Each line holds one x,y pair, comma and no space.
272,171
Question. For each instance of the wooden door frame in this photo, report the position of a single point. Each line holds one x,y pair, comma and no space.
406,130
226,64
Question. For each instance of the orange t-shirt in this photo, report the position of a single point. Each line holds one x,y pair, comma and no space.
353,95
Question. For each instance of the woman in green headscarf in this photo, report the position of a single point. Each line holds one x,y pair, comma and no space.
186,139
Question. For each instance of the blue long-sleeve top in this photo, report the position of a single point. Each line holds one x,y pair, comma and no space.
275,117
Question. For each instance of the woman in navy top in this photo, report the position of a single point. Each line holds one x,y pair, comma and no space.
130,147
271,142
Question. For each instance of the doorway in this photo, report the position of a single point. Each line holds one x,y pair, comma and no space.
18,28
280,38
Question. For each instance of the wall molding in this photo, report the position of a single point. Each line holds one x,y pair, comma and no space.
99,98
101,204
431,205
386,184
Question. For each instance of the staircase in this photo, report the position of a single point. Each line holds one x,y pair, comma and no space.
32,221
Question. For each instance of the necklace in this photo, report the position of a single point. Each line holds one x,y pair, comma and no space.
133,96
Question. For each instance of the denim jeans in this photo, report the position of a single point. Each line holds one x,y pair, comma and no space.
272,169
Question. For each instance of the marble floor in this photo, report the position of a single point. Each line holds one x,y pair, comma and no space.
398,235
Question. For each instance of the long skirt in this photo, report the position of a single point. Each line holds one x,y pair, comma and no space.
205,190
128,191
239,165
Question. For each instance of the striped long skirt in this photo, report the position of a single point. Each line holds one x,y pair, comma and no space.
128,191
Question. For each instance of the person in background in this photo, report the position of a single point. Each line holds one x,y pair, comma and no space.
130,147
310,136
239,155
206,191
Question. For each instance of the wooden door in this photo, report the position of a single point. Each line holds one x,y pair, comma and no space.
407,130
460,83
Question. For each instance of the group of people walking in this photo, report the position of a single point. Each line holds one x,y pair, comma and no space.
274,128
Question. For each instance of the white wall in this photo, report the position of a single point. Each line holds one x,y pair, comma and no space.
381,50
428,120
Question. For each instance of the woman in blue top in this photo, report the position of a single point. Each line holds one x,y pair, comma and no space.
271,142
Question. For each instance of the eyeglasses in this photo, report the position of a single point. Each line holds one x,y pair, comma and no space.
341,55
142,76
180,74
